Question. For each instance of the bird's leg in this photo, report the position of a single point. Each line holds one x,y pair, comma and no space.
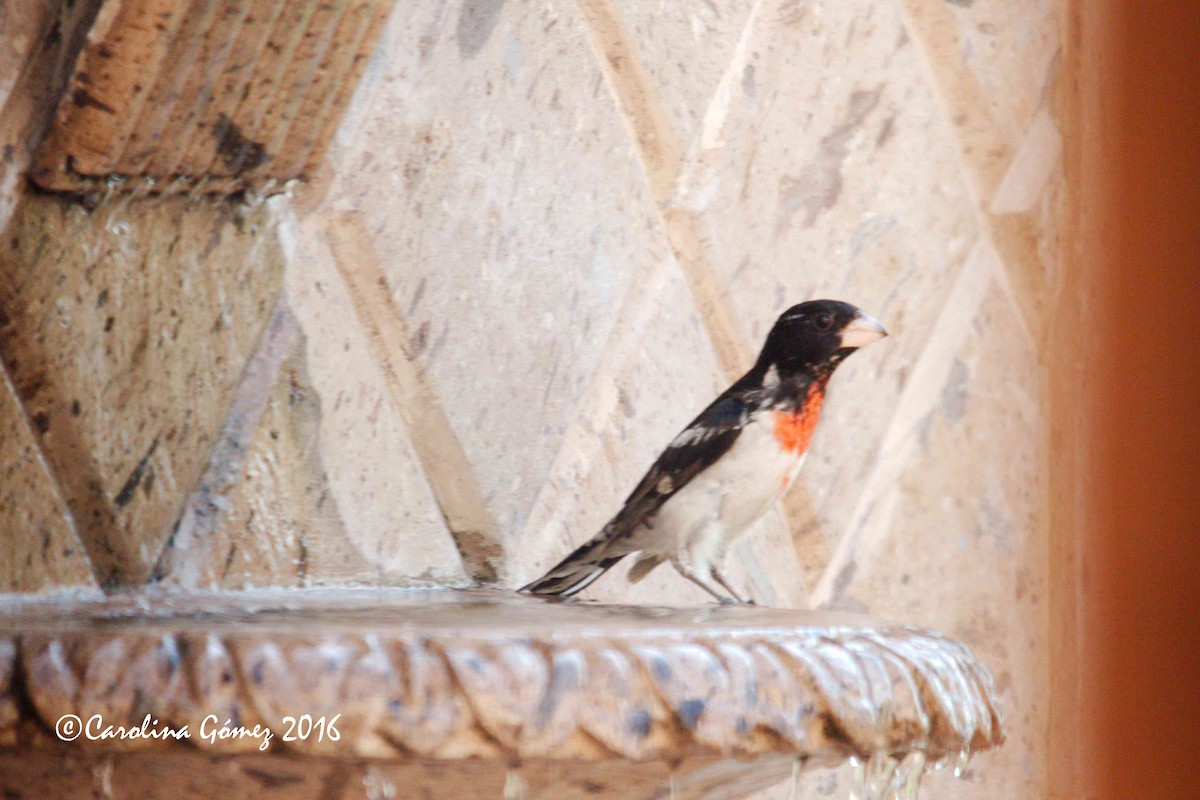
716,573
686,572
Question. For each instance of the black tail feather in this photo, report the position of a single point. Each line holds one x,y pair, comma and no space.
575,572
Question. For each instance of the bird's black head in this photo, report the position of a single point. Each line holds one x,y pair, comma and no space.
815,337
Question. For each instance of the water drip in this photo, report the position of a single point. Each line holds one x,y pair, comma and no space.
122,228
102,779
797,771
885,776
858,781
515,787
898,777
112,185
673,784
962,762
914,765
112,236
880,770
177,185
255,196
378,786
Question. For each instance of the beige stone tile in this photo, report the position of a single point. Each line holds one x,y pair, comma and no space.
199,551
939,783
387,509
1024,223
1011,46
268,517
993,65
127,331
285,526
500,189
983,145
39,549
23,28
654,138
686,49
441,456
923,390
964,550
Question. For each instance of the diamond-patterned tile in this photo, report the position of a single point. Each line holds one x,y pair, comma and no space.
125,331
387,509
40,550
1012,49
497,181
686,49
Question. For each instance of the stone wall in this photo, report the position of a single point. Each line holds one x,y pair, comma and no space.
543,238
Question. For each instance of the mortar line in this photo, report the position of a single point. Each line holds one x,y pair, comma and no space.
958,93
654,138
660,153
189,545
445,463
39,456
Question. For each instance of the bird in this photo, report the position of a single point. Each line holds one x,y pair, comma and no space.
726,468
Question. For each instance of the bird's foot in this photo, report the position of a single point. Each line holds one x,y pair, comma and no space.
725,583
723,599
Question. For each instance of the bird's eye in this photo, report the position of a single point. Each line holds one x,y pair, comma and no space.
823,321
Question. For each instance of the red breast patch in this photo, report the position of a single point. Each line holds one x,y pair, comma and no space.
794,430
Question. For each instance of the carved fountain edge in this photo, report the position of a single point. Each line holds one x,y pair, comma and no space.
819,693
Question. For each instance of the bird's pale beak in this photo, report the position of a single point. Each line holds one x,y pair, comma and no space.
862,331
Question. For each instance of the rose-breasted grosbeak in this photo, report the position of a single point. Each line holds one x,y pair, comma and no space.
726,468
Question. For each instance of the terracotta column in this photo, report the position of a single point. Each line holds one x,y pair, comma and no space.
1127,563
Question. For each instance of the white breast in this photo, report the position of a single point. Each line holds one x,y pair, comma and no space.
720,503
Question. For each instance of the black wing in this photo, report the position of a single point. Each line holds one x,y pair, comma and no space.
707,438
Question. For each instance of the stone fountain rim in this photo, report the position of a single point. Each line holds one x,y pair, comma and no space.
457,674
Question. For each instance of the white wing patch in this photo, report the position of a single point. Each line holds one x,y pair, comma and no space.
771,379
699,433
